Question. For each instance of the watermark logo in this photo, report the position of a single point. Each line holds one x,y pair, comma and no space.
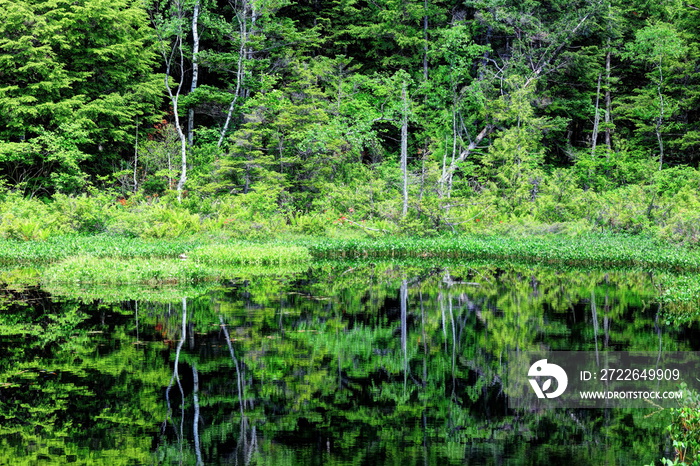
600,379
542,369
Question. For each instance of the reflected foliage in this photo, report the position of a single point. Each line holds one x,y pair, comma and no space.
346,363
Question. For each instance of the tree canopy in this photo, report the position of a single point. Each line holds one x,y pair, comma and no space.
494,103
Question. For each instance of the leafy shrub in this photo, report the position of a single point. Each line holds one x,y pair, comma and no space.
22,229
683,227
625,210
680,221
26,219
153,220
170,222
310,224
685,430
603,171
83,213
673,179
561,200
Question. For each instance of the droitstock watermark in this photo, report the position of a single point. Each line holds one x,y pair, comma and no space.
605,379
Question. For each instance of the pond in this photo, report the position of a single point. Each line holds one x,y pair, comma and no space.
344,363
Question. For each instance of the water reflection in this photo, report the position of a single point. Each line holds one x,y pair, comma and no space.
343,364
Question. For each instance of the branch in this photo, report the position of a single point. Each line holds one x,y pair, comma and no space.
546,62
465,153
543,63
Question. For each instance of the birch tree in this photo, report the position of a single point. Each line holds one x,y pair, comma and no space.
170,28
246,17
195,69
404,146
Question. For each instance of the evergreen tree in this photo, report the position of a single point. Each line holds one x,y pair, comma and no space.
76,77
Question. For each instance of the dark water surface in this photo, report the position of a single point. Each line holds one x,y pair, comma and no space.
341,364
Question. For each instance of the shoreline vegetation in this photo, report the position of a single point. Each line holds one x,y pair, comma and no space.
103,260
599,250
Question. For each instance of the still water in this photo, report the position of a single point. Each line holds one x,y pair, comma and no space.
340,364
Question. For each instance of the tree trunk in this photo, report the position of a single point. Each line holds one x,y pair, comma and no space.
243,53
608,129
659,120
425,40
596,118
195,70
169,58
136,157
183,153
447,176
404,148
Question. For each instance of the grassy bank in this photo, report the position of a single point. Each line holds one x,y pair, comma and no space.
162,262
585,250
116,261
197,248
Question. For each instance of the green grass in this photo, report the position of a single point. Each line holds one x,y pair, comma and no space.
57,248
590,250
198,248
101,260
251,254
110,271
598,250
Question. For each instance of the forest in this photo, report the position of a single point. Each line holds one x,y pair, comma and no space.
414,185
411,117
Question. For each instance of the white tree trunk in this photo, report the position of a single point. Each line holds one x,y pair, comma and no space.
608,130
596,119
195,70
404,148
173,55
243,52
660,119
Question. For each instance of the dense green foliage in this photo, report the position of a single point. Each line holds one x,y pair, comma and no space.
386,117
685,431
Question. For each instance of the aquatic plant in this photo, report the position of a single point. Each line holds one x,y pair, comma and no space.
599,250
250,254
680,297
56,248
109,271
